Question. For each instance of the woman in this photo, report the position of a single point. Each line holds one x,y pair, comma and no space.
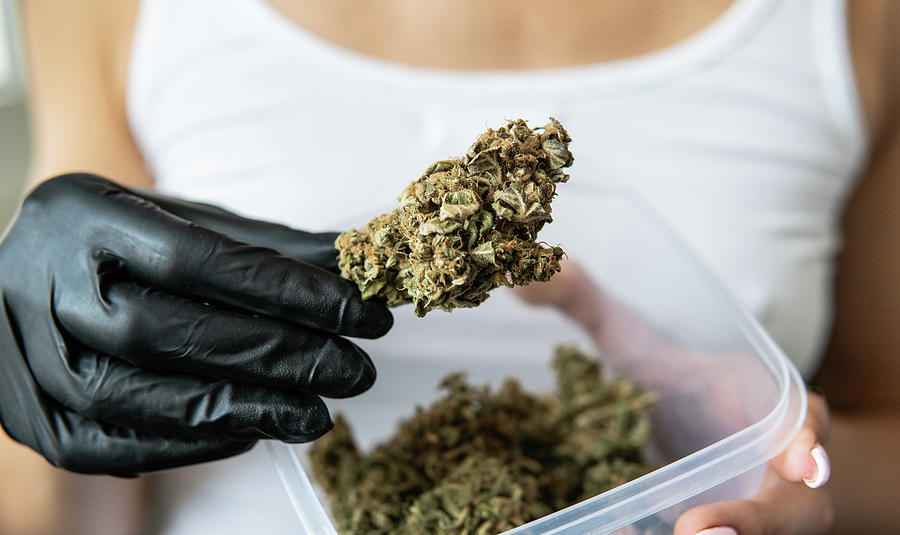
737,121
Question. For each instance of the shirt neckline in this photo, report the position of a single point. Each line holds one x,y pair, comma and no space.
713,41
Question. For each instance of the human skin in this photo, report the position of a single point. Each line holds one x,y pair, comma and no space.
635,349
78,57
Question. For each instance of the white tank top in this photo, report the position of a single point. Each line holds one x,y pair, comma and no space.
746,138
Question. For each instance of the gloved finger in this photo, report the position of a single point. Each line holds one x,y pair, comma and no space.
112,391
182,257
805,458
78,444
74,442
165,332
314,248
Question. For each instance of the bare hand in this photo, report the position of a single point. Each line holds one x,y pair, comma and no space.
787,502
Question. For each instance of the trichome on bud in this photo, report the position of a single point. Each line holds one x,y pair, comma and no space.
467,225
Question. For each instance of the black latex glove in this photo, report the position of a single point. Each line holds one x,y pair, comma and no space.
140,332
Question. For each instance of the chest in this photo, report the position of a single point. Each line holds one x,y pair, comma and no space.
732,138
501,34
247,114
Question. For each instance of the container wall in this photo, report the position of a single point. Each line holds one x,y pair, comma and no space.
663,522
640,302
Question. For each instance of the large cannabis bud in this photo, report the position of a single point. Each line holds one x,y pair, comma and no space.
467,225
481,462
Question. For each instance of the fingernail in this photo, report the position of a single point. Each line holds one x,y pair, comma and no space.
823,468
722,530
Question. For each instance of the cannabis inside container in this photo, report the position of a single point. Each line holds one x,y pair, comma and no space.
729,398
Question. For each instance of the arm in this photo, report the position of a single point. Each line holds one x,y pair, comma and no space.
77,57
140,332
861,372
77,112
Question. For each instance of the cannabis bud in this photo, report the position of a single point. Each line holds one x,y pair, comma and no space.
467,225
481,461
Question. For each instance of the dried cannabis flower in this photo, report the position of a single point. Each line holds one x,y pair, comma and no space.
467,225
481,462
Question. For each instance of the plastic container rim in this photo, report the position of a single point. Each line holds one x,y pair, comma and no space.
665,486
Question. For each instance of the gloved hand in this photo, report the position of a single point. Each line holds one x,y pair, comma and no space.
140,332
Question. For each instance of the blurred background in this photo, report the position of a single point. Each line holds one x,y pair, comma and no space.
13,116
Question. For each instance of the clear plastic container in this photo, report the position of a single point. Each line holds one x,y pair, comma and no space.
729,399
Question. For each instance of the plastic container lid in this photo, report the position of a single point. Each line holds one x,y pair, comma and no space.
729,398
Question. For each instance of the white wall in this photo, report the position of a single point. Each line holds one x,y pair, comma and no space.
13,122
13,157
7,65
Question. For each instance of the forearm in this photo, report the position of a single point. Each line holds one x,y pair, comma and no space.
66,503
866,472
28,484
